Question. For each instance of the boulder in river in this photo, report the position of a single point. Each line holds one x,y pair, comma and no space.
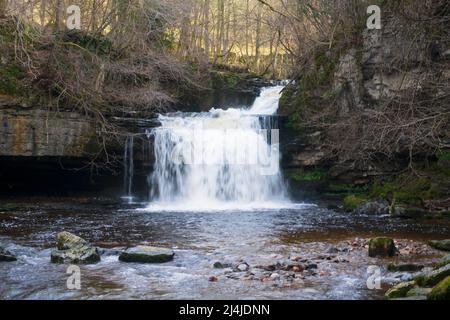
400,290
404,267
6,256
373,208
146,254
381,246
73,249
441,291
441,244
434,277
66,240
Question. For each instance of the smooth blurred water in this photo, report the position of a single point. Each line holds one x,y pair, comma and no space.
199,239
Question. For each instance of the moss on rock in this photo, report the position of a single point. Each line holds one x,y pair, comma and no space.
440,244
381,246
400,290
441,291
352,201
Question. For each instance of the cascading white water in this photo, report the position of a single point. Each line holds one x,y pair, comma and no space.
218,159
128,164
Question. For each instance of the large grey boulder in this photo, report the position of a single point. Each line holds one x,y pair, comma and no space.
73,249
146,254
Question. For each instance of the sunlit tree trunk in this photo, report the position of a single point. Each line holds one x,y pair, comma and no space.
258,37
59,15
206,28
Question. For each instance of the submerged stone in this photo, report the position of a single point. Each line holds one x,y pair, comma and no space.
147,254
6,256
381,246
440,244
79,255
404,267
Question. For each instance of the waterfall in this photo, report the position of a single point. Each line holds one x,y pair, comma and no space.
128,169
218,159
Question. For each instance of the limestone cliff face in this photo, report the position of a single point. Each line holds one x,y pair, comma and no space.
398,61
42,133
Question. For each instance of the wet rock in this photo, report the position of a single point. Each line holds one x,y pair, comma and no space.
404,267
440,244
381,246
274,276
418,291
73,249
441,291
311,266
407,212
400,290
146,254
291,266
66,240
6,256
434,277
373,208
221,265
332,250
242,267
80,255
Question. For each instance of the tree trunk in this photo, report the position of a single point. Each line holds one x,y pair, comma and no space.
3,4
206,28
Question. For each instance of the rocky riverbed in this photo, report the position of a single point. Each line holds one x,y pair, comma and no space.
303,252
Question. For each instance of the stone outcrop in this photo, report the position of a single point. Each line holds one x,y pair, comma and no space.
44,133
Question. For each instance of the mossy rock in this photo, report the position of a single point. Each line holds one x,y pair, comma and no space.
441,291
73,249
418,292
434,277
352,201
66,240
404,267
400,290
381,246
402,211
146,254
440,244
8,207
